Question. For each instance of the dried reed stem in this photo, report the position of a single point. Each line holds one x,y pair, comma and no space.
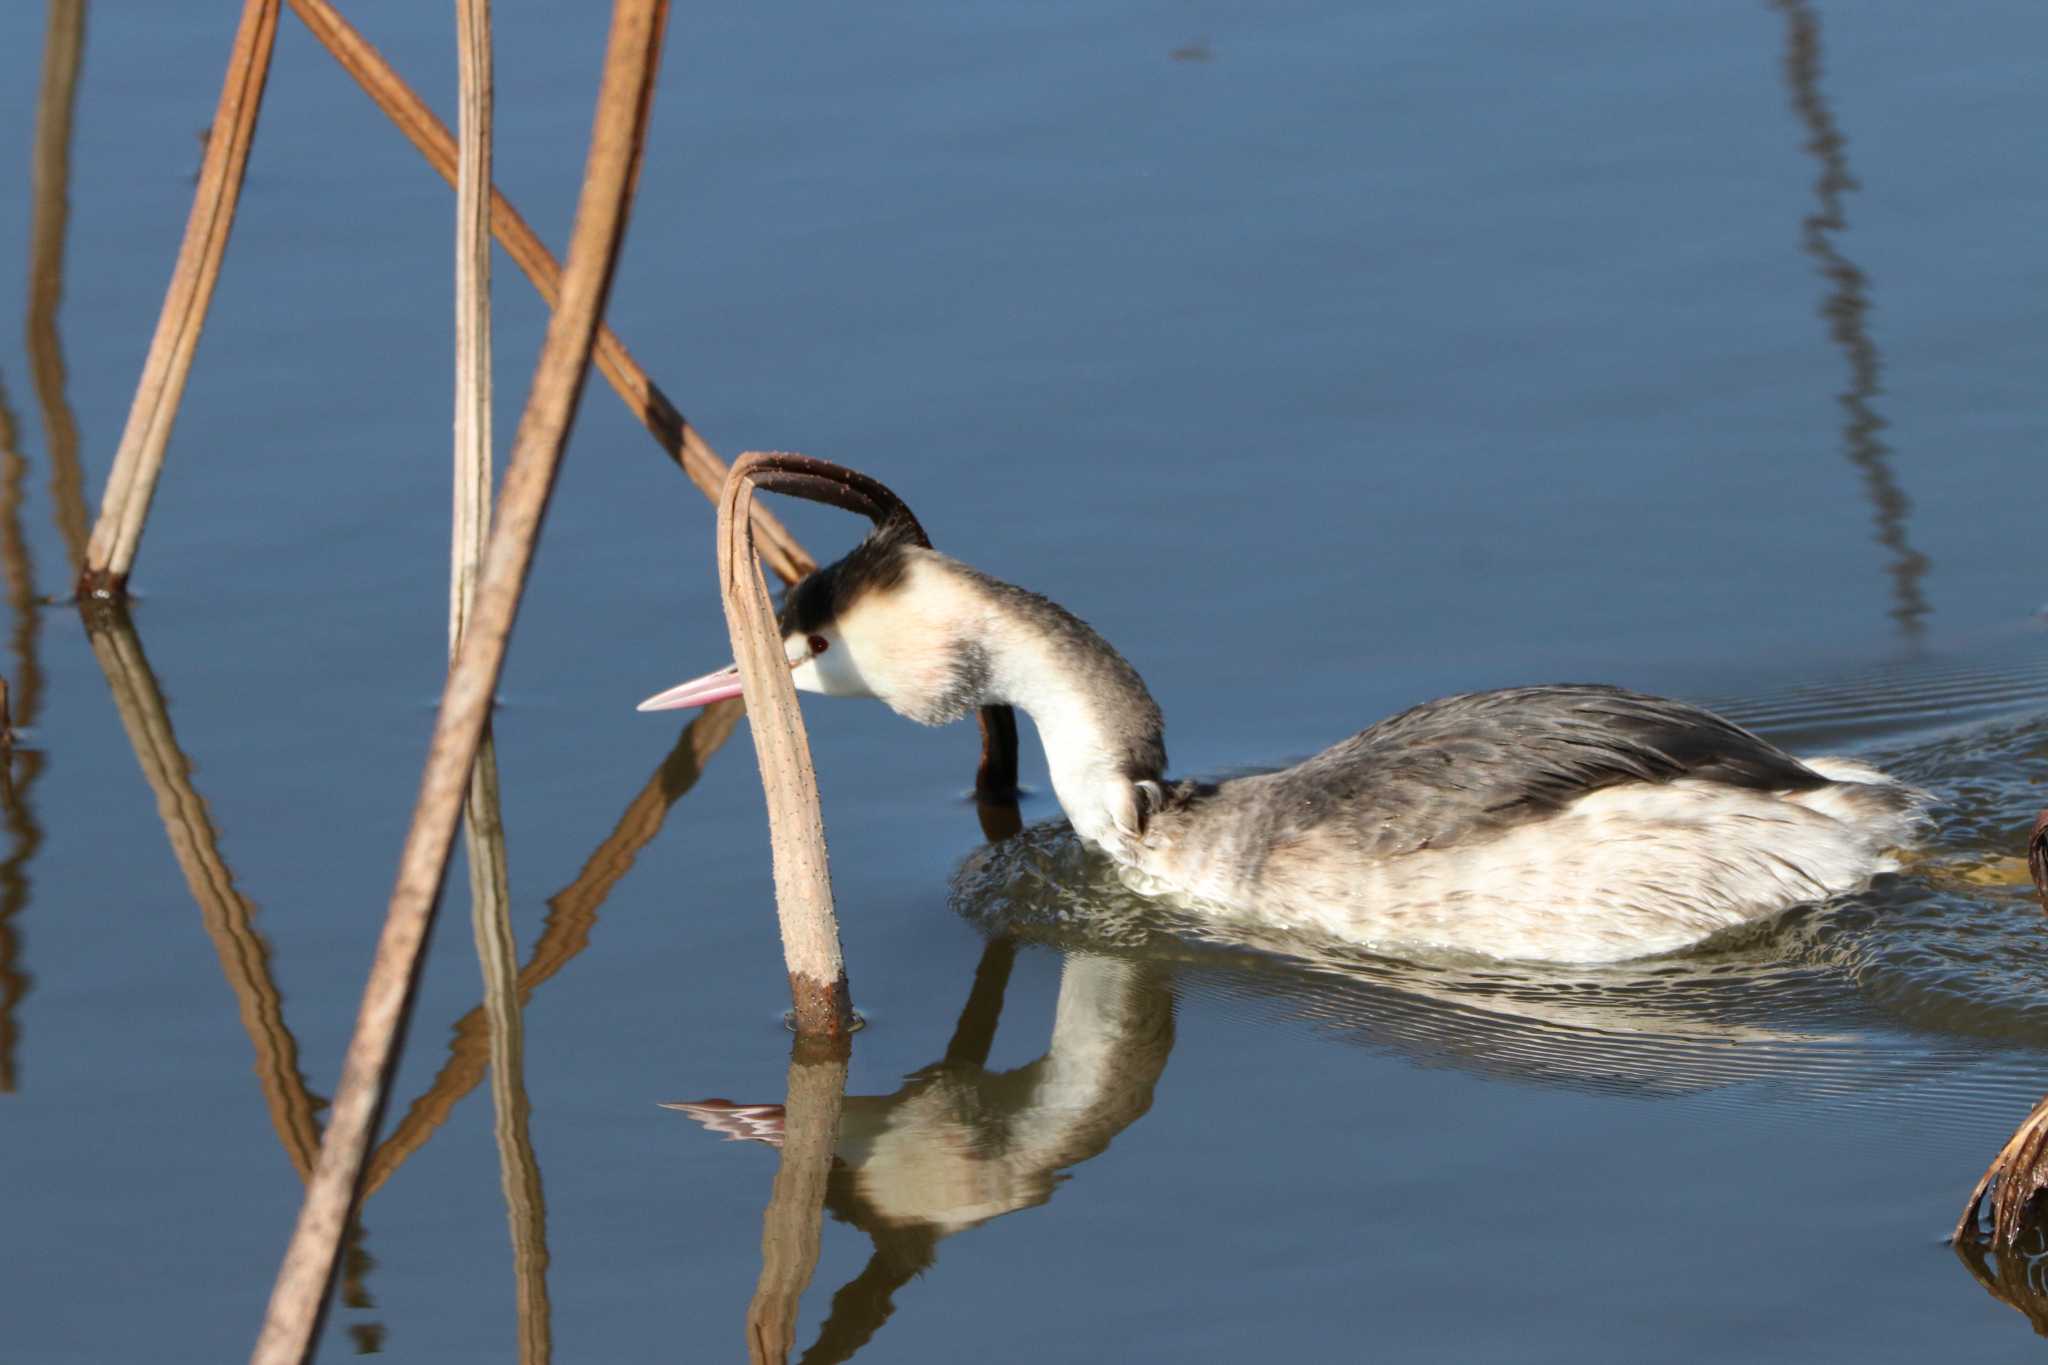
132,482
660,416
300,1295
472,521
796,831
2019,1172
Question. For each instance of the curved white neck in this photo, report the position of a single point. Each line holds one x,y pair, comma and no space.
1101,730
1078,737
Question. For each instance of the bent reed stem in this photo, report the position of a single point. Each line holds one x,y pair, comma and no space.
818,989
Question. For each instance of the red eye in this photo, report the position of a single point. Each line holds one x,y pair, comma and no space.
819,644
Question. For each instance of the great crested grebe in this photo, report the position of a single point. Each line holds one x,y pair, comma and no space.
1566,823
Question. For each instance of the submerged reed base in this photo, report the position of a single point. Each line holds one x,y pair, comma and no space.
2017,1175
2011,1184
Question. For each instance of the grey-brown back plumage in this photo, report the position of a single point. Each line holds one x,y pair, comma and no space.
1468,767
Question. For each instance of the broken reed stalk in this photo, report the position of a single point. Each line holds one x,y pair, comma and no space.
132,482
2020,1170
300,1296
656,412
803,883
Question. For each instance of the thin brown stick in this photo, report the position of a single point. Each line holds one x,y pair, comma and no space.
300,1296
132,483
796,831
50,192
660,416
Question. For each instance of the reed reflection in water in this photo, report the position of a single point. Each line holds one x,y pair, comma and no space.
19,768
1847,310
49,199
50,182
229,919
955,1146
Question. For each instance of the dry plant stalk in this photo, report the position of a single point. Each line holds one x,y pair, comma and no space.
796,831
472,518
132,482
2019,1172
660,416
300,1295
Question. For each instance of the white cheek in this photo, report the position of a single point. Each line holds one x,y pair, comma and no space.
832,673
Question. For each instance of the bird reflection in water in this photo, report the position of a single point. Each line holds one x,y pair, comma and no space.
958,1143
